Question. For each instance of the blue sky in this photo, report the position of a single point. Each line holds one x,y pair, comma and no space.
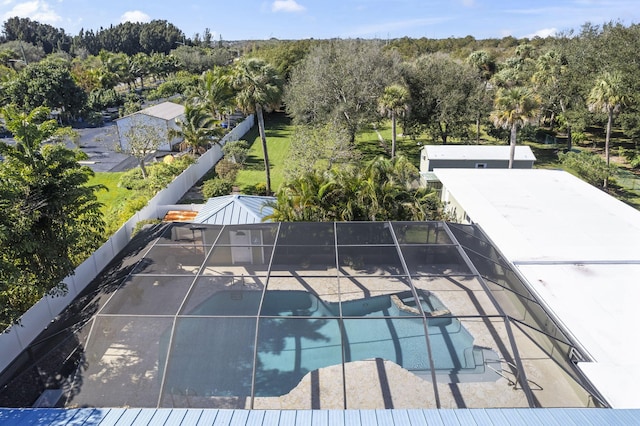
296,19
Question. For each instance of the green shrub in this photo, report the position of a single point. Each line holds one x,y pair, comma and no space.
236,151
531,133
132,103
227,169
100,99
131,207
132,179
589,167
578,137
119,214
93,119
160,174
259,188
176,85
216,187
81,155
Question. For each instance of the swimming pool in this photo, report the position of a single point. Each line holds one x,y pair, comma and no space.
374,327
297,333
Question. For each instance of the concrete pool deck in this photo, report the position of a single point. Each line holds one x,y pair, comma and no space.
393,387
365,389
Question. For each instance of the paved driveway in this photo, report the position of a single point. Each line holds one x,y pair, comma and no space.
99,144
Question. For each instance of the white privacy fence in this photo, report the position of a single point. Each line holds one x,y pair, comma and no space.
15,339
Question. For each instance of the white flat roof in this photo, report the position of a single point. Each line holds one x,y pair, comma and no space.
598,304
546,215
579,250
477,152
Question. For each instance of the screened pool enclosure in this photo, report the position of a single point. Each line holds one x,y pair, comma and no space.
303,316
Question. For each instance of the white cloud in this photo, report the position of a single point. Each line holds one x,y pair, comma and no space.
286,6
383,29
36,10
468,3
134,16
543,33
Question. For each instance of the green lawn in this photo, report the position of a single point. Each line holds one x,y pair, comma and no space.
278,131
114,195
369,144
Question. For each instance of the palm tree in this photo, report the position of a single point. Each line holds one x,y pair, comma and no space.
258,86
29,131
485,64
198,129
608,96
139,67
304,198
380,189
514,107
213,92
394,101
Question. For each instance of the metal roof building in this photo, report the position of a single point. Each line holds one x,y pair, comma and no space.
579,251
234,209
163,117
164,111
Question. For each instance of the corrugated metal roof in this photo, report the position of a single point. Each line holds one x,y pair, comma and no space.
180,216
165,110
181,416
477,152
234,210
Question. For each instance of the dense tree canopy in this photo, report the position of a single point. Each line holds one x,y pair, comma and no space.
319,148
341,82
47,83
130,38
50,219
50,39
445,96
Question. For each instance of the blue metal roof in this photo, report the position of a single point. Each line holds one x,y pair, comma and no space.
181,416
234,210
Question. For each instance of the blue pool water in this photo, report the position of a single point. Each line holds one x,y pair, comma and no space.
298,332
306,344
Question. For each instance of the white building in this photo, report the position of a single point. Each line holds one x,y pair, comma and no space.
579,251
474,157
162,116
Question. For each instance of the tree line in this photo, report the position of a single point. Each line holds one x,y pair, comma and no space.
157,36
